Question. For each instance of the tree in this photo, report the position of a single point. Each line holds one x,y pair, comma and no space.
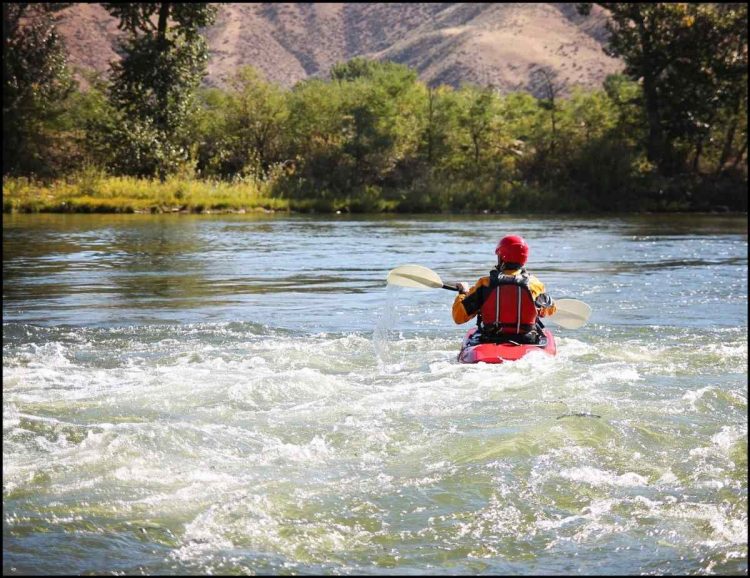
544,82
627,96
318,129
692,62
732,71
477,116
440,111
380,124
36,82
358,67
256,114
154,85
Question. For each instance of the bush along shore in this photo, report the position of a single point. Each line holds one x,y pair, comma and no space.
669,134
87,193
107,194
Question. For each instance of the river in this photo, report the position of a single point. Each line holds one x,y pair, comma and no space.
240,394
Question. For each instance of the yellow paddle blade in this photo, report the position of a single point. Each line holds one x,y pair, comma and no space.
570,313
414,276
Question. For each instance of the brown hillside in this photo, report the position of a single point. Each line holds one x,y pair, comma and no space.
452,43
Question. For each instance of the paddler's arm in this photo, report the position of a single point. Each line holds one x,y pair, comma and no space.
467,305
537,290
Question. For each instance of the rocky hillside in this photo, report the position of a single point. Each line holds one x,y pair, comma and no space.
485,43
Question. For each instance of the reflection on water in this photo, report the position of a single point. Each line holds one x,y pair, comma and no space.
110,269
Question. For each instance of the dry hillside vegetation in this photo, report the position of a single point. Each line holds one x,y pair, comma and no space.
452,43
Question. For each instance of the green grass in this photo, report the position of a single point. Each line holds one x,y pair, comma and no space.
91,193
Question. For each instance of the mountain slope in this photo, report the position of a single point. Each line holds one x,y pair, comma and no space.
452,43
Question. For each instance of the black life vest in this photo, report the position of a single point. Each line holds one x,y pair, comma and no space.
509,305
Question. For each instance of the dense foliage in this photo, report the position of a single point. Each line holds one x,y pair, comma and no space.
36,84
669,134
153,86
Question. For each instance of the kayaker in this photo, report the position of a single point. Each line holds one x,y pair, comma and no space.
509,301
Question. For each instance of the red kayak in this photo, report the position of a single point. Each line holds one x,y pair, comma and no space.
473,352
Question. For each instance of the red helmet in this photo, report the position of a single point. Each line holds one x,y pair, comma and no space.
512,249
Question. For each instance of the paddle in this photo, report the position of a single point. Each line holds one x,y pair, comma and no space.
418,277
570,313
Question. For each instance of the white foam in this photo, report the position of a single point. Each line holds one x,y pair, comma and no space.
612,372
597,477
11,418
668,478
693,396
314,451
727,437
268,443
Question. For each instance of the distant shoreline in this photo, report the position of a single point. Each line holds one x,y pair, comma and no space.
259,210
129,195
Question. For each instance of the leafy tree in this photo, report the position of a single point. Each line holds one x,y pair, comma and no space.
692,61
36,82
599,160
591,115
383,126
154,85
626,95
209,132
732,65
256,114
528,124
432,124
439,148
84,111
355,135
544,81
186,18
358,67
477,117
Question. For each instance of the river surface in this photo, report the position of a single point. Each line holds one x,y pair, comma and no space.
242,394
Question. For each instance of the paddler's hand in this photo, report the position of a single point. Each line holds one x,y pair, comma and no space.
463,288
543,301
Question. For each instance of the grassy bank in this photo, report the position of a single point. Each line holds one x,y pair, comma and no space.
98,193
104,194
93,192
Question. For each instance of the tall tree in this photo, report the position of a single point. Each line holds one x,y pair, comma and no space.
689,58
256,113
153,86
477,117
732,72
545,83
36,81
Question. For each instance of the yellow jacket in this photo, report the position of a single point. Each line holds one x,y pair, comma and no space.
466,306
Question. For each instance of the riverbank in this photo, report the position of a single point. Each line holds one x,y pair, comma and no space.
98,193
94,194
